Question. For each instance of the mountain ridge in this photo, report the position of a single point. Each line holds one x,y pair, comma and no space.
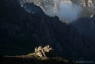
86,5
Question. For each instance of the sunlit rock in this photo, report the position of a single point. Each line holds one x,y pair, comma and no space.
41,52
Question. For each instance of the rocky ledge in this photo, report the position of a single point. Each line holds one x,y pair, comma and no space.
42,55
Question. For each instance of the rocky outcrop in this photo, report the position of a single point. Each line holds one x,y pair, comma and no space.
38,57
41,51
45,52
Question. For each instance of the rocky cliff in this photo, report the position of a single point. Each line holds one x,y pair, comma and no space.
21,32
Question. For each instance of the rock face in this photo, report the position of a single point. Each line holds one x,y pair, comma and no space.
20,29
88,6
85,23
85,3
88,3
44,52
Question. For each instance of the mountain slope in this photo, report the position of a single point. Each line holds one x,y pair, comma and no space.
86,26
26,31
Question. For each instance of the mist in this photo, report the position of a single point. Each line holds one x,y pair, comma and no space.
64,9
